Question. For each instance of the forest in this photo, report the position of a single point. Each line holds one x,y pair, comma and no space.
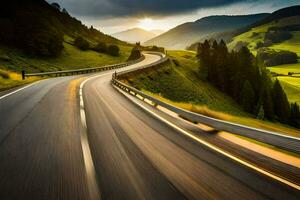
239,74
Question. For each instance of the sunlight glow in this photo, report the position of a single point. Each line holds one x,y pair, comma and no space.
147,24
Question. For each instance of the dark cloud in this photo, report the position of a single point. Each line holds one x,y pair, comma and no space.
119,8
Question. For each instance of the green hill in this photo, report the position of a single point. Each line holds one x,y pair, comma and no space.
36,37
279,34
185,34
178,83
34,34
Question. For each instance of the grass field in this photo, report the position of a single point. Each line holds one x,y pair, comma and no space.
291,85
10,79
180,85
285,69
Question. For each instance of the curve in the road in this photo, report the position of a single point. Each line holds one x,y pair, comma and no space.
133,154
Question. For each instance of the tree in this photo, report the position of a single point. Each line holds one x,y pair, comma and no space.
203,53
281,104
295,115
101,47
261,113
65,11
135,54
113,50
56,6
268,105
247,98
81,43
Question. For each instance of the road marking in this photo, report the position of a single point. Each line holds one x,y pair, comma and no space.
213,147
18,90
87,156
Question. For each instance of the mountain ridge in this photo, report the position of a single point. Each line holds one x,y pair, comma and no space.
187,33
134,35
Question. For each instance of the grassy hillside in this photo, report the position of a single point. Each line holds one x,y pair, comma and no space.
228,36
70,58
38,37
291,85
257,34
185,34
252,37
178,83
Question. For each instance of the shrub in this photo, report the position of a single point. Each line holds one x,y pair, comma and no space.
113,50
277,36
101,47
272,58
4,74
81,43
134,55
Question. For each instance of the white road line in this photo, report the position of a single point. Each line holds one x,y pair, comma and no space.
213,147
18,90
87,156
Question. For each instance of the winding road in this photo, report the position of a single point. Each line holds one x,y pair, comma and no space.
78,137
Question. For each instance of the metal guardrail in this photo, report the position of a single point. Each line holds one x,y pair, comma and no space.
85,70
281,141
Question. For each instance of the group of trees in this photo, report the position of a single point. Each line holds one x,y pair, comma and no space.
101,47
272,36
270,57
238,74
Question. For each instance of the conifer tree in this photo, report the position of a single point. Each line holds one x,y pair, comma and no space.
268,104
247,98
295,115
281,104
261,113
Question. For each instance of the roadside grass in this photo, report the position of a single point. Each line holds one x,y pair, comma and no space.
180,84
248,121
13,80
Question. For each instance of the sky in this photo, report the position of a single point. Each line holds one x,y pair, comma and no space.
111,16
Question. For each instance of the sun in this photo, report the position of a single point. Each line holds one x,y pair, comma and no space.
146,23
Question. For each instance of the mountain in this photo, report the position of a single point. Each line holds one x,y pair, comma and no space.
228,36
186,34
135,35
157,31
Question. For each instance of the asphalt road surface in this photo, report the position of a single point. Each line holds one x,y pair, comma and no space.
52,146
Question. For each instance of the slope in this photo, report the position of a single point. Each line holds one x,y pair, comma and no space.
186,34
134,35
284,22
36,37
178,83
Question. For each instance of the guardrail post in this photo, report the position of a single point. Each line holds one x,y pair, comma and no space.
23,74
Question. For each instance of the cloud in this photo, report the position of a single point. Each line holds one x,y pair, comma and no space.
120,8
